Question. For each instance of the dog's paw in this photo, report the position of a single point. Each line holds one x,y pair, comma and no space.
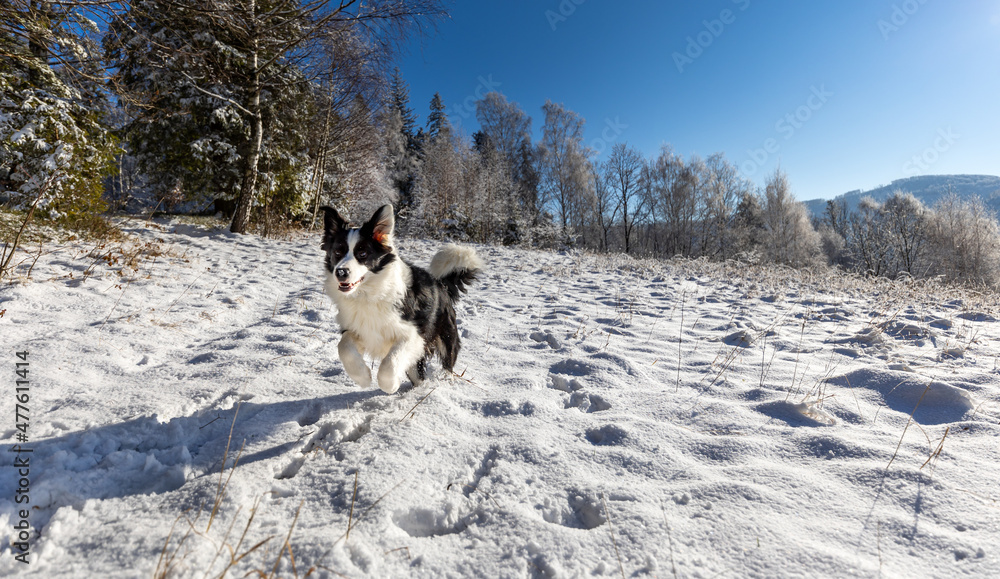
388,381
364,382
362,376
388,385
414,375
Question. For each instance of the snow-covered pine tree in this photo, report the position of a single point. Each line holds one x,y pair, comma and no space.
203,93
55,148
251,66
402,146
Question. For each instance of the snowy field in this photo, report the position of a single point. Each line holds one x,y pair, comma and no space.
189,417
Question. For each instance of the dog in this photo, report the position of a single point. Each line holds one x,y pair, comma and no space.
388,309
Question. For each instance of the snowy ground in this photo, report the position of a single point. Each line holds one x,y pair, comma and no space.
613,417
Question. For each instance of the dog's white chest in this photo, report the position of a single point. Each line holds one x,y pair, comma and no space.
373,315
377,326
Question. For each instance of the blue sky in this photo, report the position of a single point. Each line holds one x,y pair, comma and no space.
844,95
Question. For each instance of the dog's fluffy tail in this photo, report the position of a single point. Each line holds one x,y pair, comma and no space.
456,267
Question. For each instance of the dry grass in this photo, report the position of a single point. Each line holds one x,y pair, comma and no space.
174,553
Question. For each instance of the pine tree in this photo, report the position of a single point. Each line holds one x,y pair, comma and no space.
403,146
245,64
437,120
55,148
400,100
209,119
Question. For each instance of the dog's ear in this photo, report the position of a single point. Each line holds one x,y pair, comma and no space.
382,225
332,223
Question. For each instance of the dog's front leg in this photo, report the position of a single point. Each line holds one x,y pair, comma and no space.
403,356
354,363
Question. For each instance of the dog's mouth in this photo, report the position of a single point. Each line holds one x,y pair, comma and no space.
346,287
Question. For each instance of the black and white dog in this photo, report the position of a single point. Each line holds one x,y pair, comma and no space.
388,309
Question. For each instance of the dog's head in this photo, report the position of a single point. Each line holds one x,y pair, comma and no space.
354,254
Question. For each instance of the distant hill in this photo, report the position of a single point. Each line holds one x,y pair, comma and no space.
927,188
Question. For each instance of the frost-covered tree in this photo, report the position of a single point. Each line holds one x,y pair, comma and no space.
964,241
399,99
724,189
605,205
563,164
348,170
505,123
889,238
403,146
868,242
748,225
440,202
906,224
509,130
346,144
789,237
218,112
493,194
674,201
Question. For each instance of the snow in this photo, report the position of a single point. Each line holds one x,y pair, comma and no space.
713,419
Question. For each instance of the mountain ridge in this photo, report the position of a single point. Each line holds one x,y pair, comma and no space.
927,188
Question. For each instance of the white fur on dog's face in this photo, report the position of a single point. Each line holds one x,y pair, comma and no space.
352,264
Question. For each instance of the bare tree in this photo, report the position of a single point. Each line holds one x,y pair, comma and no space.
868,242
506,124
674,187
724,190
605,205
906,223
563,163
623,171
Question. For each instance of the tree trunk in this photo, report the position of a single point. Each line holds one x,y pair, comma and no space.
319,170
241,217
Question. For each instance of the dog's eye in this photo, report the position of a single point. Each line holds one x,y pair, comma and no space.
361,255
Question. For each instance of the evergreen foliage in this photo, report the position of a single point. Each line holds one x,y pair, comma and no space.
55,148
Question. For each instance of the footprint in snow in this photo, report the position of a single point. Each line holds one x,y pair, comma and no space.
576,397
547,338
328,439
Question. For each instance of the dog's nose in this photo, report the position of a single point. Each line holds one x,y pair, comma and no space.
342,273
